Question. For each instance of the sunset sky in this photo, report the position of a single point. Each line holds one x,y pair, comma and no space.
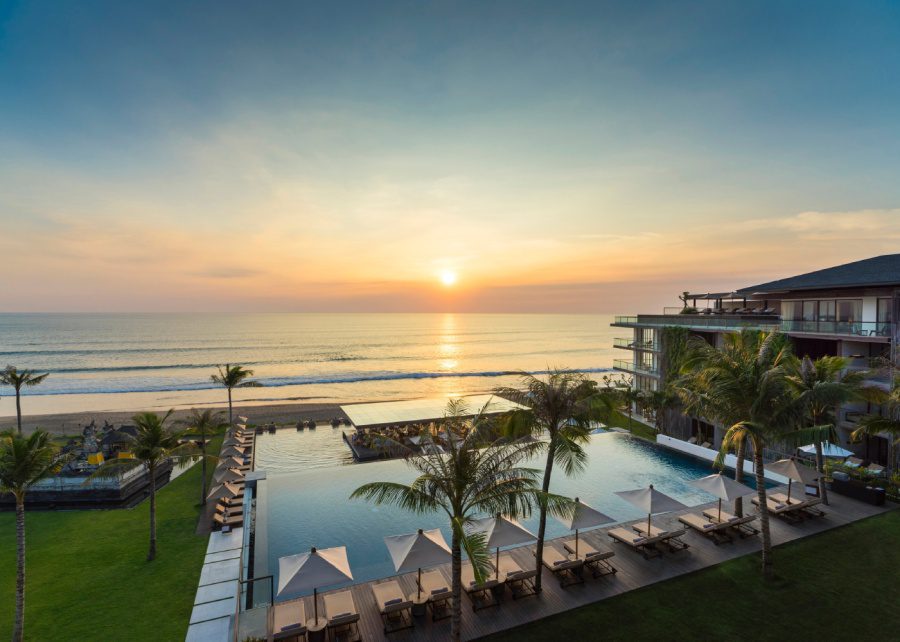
597,157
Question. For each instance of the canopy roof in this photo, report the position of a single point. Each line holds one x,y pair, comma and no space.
317,568
386,413
585,517
876,271
722,487
828,450
501,531
792,470
650,500
415,550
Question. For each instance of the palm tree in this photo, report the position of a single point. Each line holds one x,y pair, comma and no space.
660,401
152,446
743,386
12,377
232,377
207,421
820,388
562,407
887,423
474,476
23,462
628,397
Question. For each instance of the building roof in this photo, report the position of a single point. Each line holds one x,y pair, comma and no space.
386,413
876,271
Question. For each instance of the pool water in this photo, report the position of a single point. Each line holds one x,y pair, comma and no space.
313,507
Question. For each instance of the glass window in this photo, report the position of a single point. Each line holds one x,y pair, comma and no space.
810,310
885,311
826,311
849,310
791,310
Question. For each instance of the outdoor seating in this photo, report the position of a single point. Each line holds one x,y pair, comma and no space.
519,581
646,546
232,522
594,560
396,610
482,595
672,539
567,571
435,585
876,469
789,512
288,620
853,462
740,525
343,619
716,531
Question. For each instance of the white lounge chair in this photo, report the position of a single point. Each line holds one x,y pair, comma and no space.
340,611
395,608
288,620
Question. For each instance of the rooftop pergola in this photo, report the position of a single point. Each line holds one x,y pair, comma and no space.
412,411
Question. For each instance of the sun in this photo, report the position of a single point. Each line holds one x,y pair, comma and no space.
448,277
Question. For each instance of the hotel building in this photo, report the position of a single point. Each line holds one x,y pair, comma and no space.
849,310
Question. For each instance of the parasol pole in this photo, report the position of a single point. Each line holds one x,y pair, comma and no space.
720,509
576,543
316,605
497,565
419,583
648,524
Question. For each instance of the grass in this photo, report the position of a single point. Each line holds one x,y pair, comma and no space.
839,584
637,428
87,577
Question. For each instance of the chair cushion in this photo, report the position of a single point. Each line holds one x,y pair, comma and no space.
396,600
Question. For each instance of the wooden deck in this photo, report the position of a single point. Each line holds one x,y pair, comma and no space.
633,572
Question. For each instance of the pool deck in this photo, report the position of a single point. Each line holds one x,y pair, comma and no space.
633,572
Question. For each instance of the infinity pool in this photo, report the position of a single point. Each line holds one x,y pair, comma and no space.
313,508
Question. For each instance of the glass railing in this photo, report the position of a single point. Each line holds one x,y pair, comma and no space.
853,328
711,322
632,344
637,368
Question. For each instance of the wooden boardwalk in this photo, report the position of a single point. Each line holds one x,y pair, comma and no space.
633,572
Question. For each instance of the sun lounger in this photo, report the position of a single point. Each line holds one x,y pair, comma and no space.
481,595
519,581
790,512
876,469
396,610
340,610
853,462
289,620
716,531
803,505
232,522
435,585
646,546
567,571
594,560
672,539
740,525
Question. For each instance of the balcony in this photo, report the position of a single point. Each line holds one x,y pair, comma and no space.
712,322
632,344
635,368
863,329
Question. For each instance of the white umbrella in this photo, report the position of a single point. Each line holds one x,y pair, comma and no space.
231,462
413,551
229,475
232,451
828,450
651,501
231,441
584,517
794,472
223,490
722,487
311,570
501,531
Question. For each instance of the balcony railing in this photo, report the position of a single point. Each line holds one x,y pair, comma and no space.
635,368
852,328
701,321
632,344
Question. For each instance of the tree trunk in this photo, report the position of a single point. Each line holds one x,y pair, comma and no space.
19,411
151,554
542,526
230,420
19,626
203,467
739,477
767,561
456,583
820,467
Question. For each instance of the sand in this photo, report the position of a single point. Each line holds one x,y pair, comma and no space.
71,423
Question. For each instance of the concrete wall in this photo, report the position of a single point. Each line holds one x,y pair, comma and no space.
710,455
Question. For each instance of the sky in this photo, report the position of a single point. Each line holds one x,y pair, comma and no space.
564,156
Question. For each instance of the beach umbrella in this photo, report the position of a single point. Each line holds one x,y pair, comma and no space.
413,551
312,570
584,517
500,531
224,490
794,472
231,462
722,487
228,475
231,441
651,501
232,451
828,450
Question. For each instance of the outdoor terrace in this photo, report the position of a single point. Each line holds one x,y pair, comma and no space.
635,368
630,344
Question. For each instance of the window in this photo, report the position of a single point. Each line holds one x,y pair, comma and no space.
826,311
885,310
849,310
810,310
791,310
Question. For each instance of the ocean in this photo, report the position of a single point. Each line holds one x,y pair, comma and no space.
115,362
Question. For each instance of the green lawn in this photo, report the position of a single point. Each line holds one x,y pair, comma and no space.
841,584
620,420
87,577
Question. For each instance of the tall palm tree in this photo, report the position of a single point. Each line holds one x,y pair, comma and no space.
23,462
628,397
474,476
744,387
820,387
10,376
561,408
204,422
232,377
152,446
